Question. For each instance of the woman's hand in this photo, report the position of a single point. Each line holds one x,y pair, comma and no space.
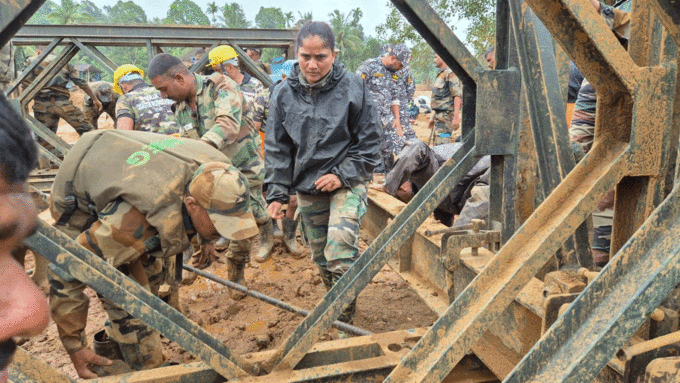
328,183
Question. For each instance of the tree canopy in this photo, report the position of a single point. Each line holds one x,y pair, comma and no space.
126,12
271,17
234,17
186,12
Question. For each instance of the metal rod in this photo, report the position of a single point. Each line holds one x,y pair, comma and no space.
273,301
92,270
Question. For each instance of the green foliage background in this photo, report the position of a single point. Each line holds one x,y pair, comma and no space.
353,44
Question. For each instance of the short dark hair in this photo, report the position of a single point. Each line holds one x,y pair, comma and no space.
166,63
316,28
18,151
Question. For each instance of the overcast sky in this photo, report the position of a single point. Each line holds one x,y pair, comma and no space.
375,11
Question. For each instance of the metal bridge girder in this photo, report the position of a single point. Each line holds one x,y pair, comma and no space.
86,267
617,152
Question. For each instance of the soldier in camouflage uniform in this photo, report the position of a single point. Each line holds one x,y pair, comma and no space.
107,197
52,102
255,93
215,111
406,88
446,100
327,158
255,54
380,77
142,108
7,70
105,94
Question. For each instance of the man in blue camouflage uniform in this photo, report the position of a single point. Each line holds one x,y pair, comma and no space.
380,75
214,110
406,88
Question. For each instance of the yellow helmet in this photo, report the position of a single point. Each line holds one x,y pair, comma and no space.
122,71
220,54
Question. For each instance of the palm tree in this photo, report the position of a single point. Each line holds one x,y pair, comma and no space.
307,16
346,32
212,9
70,12
288,16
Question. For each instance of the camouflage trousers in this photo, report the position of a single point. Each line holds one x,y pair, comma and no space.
115,238
239,251
50,111
331,223
92,116
442,124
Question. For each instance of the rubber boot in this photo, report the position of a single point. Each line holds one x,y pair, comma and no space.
106,347
266,242
348,313
236,275
277,232
289,230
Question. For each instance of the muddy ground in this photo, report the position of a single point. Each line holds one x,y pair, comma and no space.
387,303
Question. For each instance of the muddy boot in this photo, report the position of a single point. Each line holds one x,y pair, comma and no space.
266,242
145,355
348,313
106,347
277,231
289,231
236,275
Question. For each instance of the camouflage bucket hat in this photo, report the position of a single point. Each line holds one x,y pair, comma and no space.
223,191
402,52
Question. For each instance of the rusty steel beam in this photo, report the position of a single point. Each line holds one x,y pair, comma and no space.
547,116
419,263
160,35
587,40
15,13
78,262
613,307
48,50
668,12
27,368
96,55
490,293
47,74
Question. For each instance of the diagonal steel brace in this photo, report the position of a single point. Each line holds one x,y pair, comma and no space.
86,267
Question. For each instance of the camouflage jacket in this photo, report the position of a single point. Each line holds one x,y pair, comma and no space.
381,87
446,87
57,86
150,113
107,165
224,119
257,95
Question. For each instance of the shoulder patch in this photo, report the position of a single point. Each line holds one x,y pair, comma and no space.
378,75
363,76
